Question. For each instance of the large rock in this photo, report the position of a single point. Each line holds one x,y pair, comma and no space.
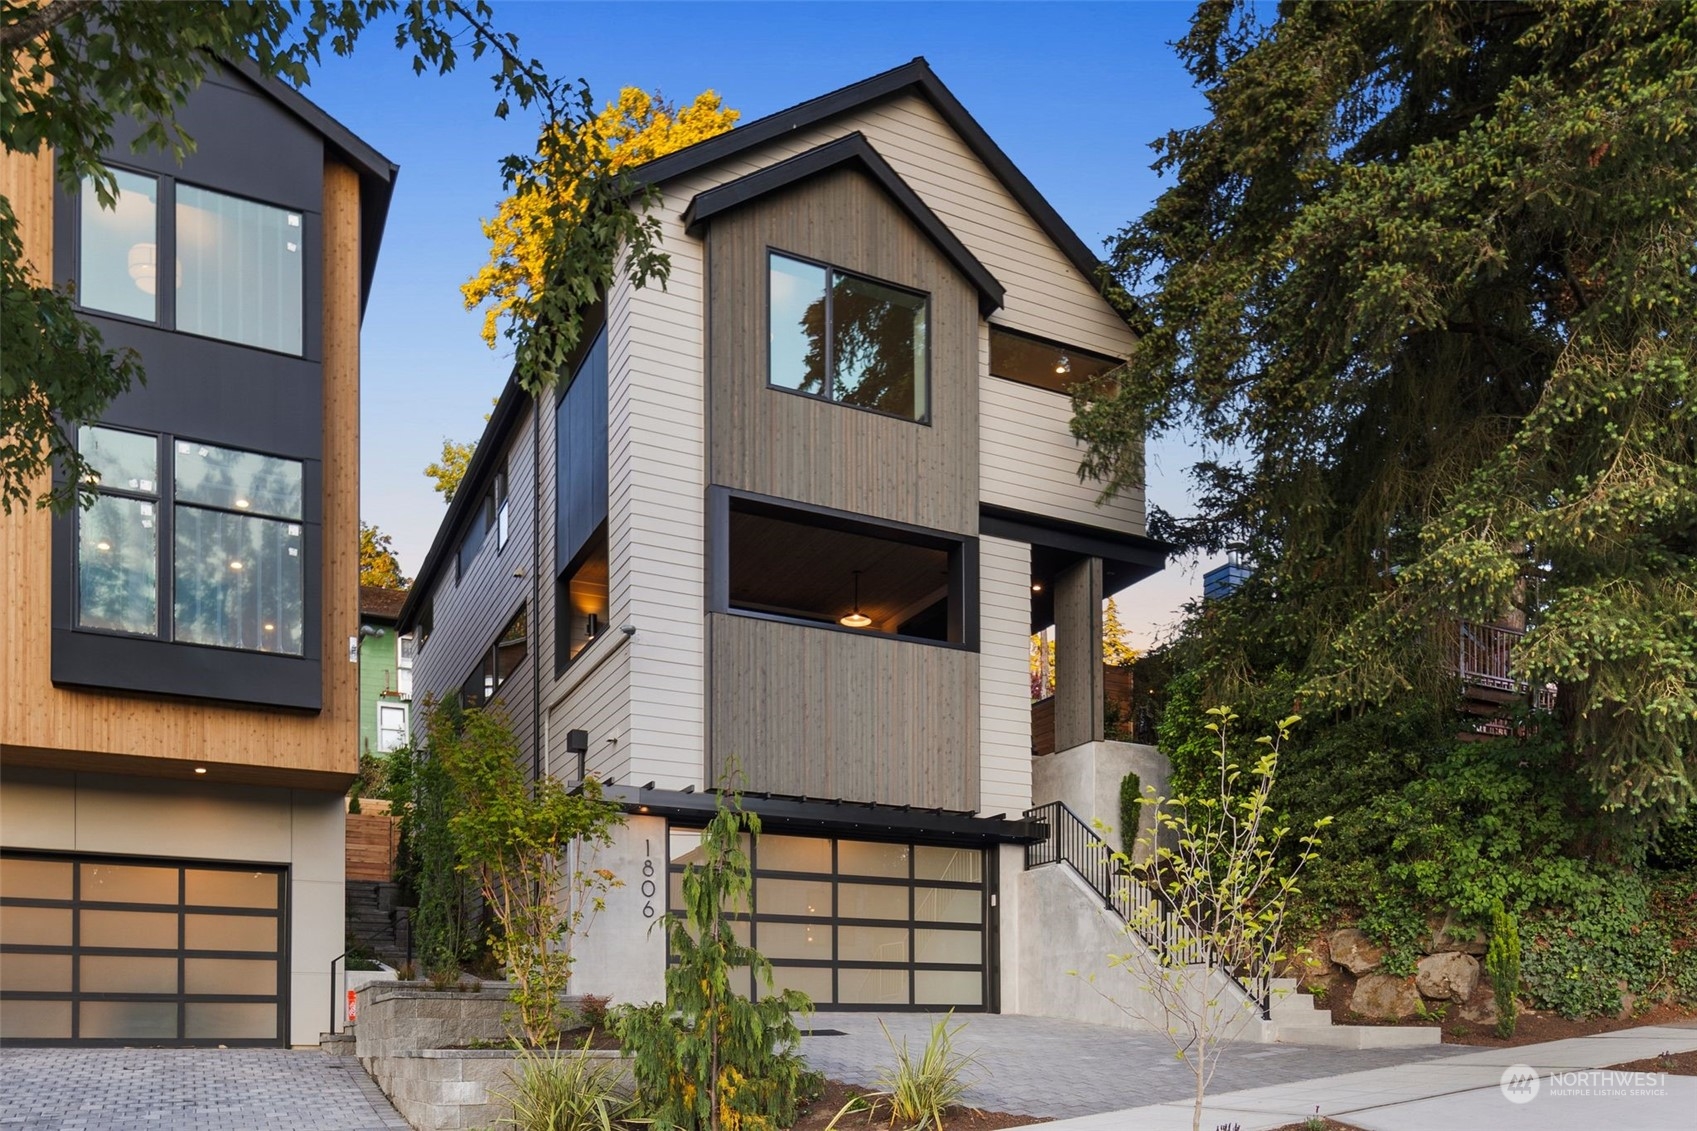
1354,951
1446,934
1449,976
1481,1009
1385,997
1310,964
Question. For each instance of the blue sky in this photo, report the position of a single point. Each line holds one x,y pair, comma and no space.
1073,92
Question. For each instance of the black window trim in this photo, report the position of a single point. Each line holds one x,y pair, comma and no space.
493,654
165,526
599,538
1062,347
165,236
830,270
963,561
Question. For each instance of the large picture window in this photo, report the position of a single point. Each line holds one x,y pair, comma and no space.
844,572
211,533
847,339
235,267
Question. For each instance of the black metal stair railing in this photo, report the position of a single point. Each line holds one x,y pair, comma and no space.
1071,841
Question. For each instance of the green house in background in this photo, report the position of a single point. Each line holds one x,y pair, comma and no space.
385,671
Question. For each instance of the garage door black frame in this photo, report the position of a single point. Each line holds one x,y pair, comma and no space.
182,908
987,924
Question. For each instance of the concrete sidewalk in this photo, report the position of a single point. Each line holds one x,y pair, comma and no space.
1469,1090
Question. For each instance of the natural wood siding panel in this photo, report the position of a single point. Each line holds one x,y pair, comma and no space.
370,842
804,448
835,714
470,614
92,730
1004,677
1045,296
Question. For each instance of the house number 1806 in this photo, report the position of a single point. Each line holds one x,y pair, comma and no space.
648,887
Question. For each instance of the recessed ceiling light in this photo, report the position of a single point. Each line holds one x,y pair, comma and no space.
235,565
1037,587
243,503
200,769
103,545
270,628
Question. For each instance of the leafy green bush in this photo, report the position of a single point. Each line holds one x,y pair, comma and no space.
708,1057
1674,847
1131,811
1578,963
1502,964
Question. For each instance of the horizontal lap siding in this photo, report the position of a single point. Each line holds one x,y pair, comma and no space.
1029,459
656,488
1004,678
600,705
470,614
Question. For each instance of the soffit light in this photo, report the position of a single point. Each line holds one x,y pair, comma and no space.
1064,365
236,565
856,619
200,769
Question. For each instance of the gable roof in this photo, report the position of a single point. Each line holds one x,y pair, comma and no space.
376,172
915,77
850,151
378,603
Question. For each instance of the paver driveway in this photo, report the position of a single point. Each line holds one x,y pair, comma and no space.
1044,1066
188,1090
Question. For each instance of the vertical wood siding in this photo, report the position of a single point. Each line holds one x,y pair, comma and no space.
88,729
836,714
811,450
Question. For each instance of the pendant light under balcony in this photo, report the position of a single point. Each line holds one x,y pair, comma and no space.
856,619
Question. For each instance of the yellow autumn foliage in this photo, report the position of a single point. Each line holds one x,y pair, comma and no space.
637,128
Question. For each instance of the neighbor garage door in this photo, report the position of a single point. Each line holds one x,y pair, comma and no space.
859,923
120,951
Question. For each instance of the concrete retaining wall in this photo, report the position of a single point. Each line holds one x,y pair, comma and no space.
1088,778
410,1039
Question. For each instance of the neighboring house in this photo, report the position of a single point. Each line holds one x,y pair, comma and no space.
181,713
790,525
385,671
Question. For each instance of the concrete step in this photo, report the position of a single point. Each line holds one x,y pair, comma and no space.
337,1044
1323,1033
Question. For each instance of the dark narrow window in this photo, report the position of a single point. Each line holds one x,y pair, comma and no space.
581,603
845,572
1045,365
846,338
497,665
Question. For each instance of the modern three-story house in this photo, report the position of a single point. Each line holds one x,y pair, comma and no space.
181,713
789,528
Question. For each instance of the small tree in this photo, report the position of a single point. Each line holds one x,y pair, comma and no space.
709,1058
1218,910
1502,963
530,848
422,796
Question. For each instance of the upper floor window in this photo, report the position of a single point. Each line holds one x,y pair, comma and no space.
391,727
403,665
491,516
234,265
836,570
1046,365
211,534
847,338
498,664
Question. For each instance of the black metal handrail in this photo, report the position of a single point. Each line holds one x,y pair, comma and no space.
1070,840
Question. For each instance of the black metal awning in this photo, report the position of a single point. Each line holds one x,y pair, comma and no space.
834,817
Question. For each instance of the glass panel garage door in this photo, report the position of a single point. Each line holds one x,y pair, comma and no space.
855,923
113,951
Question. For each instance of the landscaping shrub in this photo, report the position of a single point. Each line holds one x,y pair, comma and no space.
565,1090
1502,965
1674,847
709,1058
918,1092
1131,811
1578,963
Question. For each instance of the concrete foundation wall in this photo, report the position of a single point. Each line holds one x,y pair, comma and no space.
1061,962
622,955
1087,778
54,811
